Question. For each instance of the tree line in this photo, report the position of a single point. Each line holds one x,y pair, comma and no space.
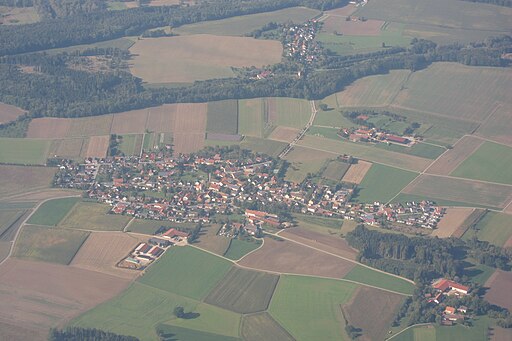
86,334
505,3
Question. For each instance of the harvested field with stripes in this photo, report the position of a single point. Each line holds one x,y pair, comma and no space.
450,160
98,146
451,221
190,127
284,134
499,293
49,127
357,172
130,122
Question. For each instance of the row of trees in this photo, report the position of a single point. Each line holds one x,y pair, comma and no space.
506,3
86,334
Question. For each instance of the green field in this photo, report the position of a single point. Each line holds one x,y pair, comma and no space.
147,226
186,271
130,144
368,276
424,150
24,151
330,133
257,327
402,197
94,216
382,183
335,170
495,228
243,291
138,310
251,117
332,118
173,333
9,217
52,212
244,24
269,147
49,244
222,117
290,112
239,248
309,308
491,162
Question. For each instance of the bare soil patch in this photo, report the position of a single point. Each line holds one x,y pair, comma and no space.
284,134
332,244
130,122
372,310
288,257
43,295
9,112
162,119
103,250
352,28
49,127
499,293
20,179
356,172
98,146
450,160
451,222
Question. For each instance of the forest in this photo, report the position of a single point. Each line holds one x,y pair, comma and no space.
86,334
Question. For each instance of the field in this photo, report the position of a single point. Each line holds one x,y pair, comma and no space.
284,134
304,161
251,120
18,15
373,91
373,311
189,127
138,310
332,117
9,112
147,226
98,146
172,272
52,212
75,148
289,257
130,122
499,125
335,170
478,332
288,112
170,332
38,295
49,127
244,24
90,126
48,244
239,248
16,179
222,117
424,150
185,59
210,241
333,244
459,190
495,228
490,162
365,152
451,222
309,308
356,173
243,291
161,119
327,132
130,144
8,217
338,24
24,151
375,188
454,157
102,251
369,276
93,216
262,326
328,226
269,147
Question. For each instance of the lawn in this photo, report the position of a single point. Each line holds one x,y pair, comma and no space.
24,151
49,244
382,183
251,120
94,216
490,162
495,228
52,212
239,248
139,309
309,308
186,271
369,276
222,117
424,150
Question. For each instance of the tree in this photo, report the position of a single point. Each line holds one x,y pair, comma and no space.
179,312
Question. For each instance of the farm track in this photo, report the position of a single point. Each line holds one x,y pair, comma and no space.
302,132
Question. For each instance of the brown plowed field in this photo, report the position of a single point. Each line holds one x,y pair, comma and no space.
13,332
42,295
189,127
102,251
352,28
130,122
372,310
90,126
162,119
19,179
49,127
332,244
450,160
98,146
288,257
284,134
499,293
501,334
69,148
451,221
9,112
356,172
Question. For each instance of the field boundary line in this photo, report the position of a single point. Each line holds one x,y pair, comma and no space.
128,224
414,325
488,140
247,254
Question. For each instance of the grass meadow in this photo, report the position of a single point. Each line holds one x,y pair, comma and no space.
240,247
222,117
93,216
423,150
369,276
24,151
494,227
256,327
52,212
251,117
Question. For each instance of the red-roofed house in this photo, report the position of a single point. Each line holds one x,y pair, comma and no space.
444,285
171,233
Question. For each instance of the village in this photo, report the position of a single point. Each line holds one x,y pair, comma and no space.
196,188
443,289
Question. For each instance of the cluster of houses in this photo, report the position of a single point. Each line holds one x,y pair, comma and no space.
444,287
299,43
147,252
365,134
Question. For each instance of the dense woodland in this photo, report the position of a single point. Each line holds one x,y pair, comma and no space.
506,3
85,334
